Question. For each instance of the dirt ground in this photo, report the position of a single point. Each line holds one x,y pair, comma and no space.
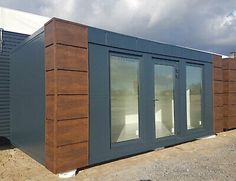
208,159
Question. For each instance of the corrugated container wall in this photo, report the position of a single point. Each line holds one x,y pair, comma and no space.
9,40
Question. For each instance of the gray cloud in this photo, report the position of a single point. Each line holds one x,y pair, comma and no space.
208,25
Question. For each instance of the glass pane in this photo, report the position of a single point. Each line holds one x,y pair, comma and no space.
124,99
194,96
164,100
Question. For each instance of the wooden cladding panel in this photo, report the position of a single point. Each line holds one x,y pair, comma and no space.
232,99
218,112
229,64
229,99
218,73
72,107
231,122
49,82
66,88
217,61
218,100
49,143
68,58
70,156
49,132
231,87
49,56
50,157
218,125
50,102
218,87
72,82
229,75
224,89
229,110
72,58
225,65
68,82
72,131
225,99
72,35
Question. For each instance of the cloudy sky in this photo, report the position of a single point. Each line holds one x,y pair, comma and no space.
207,25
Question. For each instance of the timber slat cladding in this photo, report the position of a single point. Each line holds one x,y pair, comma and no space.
217,61
50,82
224,116
229,76
72,107
231,122
229,64
50,105
229,99
49,144
66,74
218,100
72,131
231,87
71,34
49,55
70,156
68,82
218,113
72,82
76,58
218,93
218,74
230,110
218,87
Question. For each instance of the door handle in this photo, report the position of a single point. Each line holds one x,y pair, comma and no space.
155,99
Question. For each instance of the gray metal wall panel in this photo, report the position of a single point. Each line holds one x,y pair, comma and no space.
28,97
10,41
116,40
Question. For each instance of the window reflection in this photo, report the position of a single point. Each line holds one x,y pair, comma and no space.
164,100
124,98
194,96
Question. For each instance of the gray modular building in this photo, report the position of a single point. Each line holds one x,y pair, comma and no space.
82,95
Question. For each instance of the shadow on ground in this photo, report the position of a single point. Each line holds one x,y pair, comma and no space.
5,144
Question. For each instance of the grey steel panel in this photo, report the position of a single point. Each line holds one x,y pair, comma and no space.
28,97
10,41
116,40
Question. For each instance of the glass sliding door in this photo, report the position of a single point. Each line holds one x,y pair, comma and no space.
164,79
124,92
194,96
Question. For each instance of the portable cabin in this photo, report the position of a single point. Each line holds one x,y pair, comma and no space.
82,96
